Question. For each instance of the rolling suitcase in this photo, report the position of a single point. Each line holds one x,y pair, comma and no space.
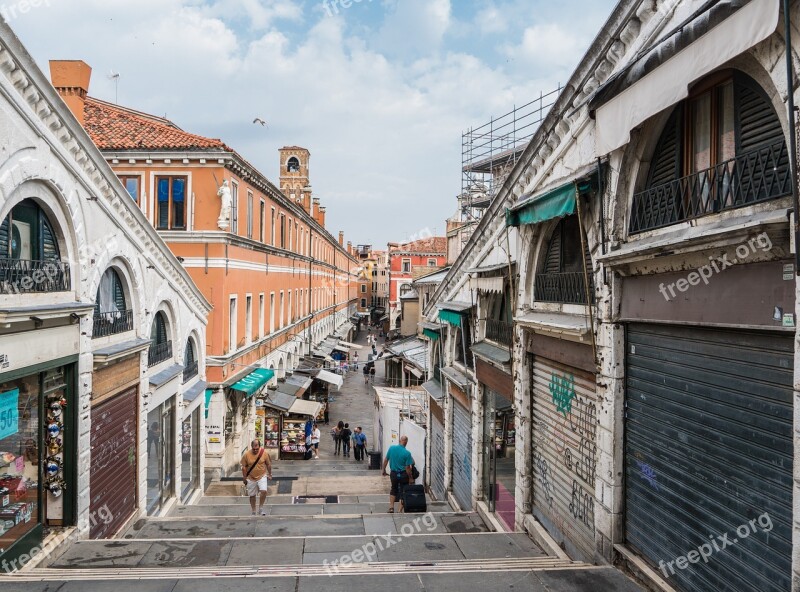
414,498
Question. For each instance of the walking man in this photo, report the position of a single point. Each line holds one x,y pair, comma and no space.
346,435
400,462
315,435
366,373
359,444
355,360
256,469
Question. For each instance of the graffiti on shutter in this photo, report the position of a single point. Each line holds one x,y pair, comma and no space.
437,458
462,456
564,453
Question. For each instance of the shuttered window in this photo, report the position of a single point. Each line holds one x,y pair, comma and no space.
158,332
110,290
189,358
26,233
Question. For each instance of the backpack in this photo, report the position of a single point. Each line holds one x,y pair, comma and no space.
346,433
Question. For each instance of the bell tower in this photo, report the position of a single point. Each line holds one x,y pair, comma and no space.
294,180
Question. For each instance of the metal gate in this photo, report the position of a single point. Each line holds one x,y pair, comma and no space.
112,478
462,456
708,456
564,454
437,455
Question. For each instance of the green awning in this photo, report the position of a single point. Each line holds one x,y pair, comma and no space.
430,334
448,316
209,394
253,381
556,203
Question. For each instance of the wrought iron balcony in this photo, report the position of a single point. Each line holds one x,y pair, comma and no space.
565,288
499,331
749,178
190,372
111,323
159,352
22,276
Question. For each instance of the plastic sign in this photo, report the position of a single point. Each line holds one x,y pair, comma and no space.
9,413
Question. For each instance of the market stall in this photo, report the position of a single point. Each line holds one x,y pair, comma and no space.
270,412
293,429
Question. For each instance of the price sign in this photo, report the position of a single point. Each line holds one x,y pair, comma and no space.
9,413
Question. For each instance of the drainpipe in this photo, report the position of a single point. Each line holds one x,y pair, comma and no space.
792,131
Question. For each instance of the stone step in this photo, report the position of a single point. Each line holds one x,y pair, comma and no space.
248,551
312,523
242,508
509,576
287,499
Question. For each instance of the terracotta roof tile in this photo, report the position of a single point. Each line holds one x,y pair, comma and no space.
116,128
434,244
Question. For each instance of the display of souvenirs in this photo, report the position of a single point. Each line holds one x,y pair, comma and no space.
272,432
186,440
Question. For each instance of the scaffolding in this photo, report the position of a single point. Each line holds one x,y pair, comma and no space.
489,152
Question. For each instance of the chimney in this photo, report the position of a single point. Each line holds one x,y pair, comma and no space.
321,216
341,238
315,209
71,80
306,198
349,248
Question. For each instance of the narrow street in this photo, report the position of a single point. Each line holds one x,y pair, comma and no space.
216,544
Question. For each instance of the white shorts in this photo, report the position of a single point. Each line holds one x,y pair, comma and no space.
253,487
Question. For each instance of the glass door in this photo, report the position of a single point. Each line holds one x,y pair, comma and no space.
489,448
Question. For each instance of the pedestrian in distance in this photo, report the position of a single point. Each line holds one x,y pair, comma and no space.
355,361
359,444
346,435
315,435
256,470
400,464
372,374
337,438
366,373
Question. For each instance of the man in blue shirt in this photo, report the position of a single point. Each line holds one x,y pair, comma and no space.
359,444
400,462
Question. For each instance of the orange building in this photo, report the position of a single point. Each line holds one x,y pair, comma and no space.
278,281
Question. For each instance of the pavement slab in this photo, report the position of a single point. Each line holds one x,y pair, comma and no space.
497,581
501,546
381,524
279,584
103,554
348,509
463,523
120,586
185,554
305,527
418,523
337,544
188,529
419,548
602,579
376,583
256,552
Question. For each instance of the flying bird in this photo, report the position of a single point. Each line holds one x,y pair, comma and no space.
259,120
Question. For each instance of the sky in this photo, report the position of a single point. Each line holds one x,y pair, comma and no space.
379,91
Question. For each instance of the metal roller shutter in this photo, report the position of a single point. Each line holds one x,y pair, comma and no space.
708,450
113,466
437,458
564,454
462,456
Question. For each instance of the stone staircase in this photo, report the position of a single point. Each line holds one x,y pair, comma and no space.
330,532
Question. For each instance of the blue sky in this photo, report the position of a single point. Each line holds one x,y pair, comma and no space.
380,92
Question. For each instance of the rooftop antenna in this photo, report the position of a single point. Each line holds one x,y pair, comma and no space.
115,77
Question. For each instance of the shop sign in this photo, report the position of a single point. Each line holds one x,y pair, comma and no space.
214,433
9,413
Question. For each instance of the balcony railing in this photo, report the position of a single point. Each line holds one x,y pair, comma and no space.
111,323
499,331
22,276
190,372
749,178
159,352
566,288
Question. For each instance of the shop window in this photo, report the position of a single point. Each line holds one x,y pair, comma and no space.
190,453
171,210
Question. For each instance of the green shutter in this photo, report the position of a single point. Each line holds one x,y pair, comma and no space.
448,316
431,334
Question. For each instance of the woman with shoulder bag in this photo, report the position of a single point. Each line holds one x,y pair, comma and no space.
337,438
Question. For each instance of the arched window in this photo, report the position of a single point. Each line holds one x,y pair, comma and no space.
293,165
30,260
561,271
190,364
722,148
160,344
111,315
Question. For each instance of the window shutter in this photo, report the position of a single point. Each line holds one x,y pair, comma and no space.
189,354
665,166
49,243
758,123
4,243
119,293
552,262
